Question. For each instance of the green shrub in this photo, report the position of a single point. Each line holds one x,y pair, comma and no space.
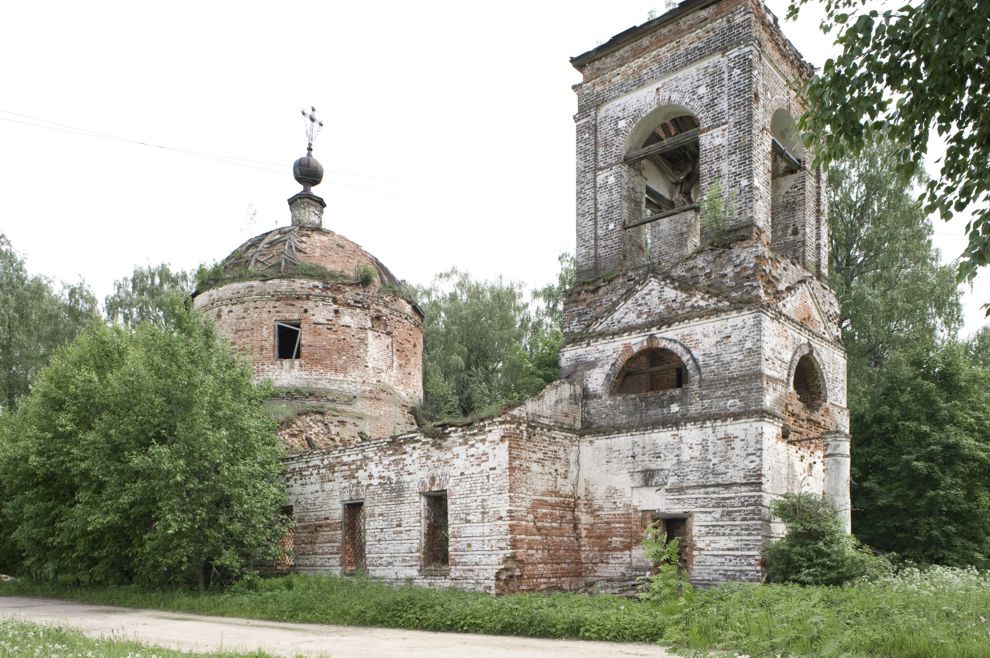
817,550
717,211
667,582
365,275
143,455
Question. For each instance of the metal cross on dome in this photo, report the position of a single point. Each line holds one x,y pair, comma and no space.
313,126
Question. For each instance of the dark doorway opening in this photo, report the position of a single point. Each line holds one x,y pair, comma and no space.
679,527
354,544
436,539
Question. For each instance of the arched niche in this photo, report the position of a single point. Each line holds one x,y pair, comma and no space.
806,379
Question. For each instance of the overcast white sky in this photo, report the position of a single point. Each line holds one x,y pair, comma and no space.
448,139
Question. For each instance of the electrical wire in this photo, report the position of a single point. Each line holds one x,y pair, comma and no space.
259,165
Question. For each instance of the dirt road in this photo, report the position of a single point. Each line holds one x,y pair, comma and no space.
195,633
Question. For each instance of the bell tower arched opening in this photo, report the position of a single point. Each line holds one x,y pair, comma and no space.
651,370
662,182
789,220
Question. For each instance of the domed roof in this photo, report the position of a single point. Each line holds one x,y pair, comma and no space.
301,251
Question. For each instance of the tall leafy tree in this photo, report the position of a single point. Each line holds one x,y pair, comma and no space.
905,69
895,294
142,455
486,344
474,345
145,295
921,459
917,402
978,347
35,320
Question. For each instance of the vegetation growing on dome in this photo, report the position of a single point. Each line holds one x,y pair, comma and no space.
220,274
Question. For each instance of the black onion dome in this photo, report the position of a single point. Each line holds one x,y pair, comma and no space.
307,171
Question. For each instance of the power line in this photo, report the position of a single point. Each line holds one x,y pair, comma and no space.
259,165
47,124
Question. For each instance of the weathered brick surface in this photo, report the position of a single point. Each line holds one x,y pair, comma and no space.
360,346
556,492
390,476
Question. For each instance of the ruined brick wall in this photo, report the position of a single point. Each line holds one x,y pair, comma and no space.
360,346
543,526
777,74
709,473
722,356
718,451
391,476
702,64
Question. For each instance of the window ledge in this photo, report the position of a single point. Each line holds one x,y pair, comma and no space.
437,570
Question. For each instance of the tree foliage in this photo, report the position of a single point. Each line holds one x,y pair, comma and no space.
474,345
901,310
904,69
914,399
142,455
34,321
894,292
146,295
485,344
978,347
816,549
922,459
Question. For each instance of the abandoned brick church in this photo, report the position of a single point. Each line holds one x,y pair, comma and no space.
702,373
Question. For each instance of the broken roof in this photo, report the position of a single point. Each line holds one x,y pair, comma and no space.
686,7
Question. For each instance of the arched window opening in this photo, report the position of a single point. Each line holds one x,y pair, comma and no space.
667,158
651,370
788,150
808,382
787,216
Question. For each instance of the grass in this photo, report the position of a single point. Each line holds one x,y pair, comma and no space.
940,612
217,275
19,639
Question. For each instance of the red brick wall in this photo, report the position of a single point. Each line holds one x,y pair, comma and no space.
363,345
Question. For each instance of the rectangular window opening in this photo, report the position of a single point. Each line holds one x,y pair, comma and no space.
354,545
436,539
288,339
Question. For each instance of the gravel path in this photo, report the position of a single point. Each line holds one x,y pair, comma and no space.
198,633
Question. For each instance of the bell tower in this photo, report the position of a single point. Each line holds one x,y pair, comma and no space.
702,329
686,137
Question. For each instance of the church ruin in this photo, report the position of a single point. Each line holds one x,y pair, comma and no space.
702,374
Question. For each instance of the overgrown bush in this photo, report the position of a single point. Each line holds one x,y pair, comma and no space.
142,455
365,275
817,550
